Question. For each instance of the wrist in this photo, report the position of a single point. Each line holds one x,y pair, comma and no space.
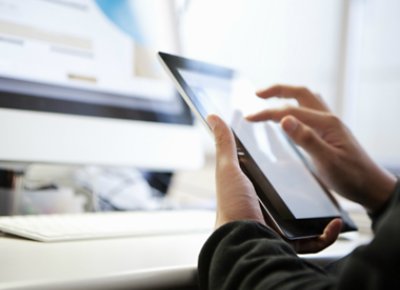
381,191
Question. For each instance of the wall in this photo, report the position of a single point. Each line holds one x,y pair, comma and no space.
348,51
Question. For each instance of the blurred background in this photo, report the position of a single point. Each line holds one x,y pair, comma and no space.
345,50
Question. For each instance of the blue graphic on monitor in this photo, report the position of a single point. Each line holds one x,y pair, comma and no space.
122,13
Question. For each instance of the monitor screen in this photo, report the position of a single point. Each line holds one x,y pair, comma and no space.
80,83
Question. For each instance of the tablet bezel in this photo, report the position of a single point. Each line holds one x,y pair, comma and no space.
275,210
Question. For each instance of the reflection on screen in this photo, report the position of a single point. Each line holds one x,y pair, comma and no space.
266,143
284,169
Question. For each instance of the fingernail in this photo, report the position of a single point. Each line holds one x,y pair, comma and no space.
290,124
248,117
212,122
260,91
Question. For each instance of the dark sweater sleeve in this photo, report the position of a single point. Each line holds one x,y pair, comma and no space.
377,216
247,255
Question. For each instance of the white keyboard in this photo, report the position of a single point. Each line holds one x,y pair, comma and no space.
64,227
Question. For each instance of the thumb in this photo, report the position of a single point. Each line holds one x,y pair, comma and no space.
305,137
224,141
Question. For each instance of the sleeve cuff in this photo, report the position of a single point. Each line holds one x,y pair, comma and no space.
394,199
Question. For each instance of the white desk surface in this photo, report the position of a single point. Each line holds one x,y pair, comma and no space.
134,263
158,262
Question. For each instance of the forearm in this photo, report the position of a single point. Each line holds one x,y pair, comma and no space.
247,255
376,265
376,187
391,202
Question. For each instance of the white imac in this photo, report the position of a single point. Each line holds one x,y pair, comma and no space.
80,84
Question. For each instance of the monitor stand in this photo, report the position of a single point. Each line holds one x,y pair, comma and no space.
11,187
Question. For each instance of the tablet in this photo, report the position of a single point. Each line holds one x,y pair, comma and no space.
293,200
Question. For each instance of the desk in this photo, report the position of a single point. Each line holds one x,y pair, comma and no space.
160,262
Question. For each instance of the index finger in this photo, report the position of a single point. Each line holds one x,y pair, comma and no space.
313,118
304,96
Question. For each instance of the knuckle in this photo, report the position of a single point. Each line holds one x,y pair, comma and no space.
279,88
291,109
220,137
222,143
307,136
228,165
288,110
334,120
304,91
318,97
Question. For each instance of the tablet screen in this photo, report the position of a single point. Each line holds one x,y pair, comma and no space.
223,94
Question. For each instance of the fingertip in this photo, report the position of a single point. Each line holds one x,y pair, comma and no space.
220,129
260,92
250,117
334,228
338,223
289,124
224,140
265,92
212,121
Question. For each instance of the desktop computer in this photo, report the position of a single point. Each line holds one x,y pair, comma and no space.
80,84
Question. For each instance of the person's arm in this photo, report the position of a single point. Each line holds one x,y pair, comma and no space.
247,255
236,196
377,265
380,214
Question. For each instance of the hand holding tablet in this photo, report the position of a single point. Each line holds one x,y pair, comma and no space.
237,199
292,199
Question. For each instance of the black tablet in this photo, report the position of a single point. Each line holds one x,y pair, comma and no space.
294,201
